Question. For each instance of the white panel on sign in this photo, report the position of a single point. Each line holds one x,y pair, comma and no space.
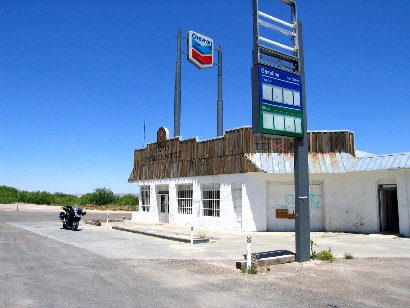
277,95
288,97
267,120
279,122
298,125
296,98
267,92
290,124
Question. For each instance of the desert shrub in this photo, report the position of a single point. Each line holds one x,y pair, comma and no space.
127,200
86,199
348,256
64,199
8,195
103,196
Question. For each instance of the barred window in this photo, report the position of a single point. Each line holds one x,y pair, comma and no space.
145,198
184,196
211,200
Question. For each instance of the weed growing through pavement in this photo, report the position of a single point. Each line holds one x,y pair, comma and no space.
252,270
348,256
201,234
312,251
324,255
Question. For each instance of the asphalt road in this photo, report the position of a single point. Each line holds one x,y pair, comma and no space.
46,266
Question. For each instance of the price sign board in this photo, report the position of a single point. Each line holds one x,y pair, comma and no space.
277,102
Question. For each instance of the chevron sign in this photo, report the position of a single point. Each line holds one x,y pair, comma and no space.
200,50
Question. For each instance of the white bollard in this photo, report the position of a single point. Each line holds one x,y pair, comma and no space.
192,235
108,216
123,221
248,248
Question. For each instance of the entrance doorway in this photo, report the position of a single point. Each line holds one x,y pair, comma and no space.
388,208
237,205
163,206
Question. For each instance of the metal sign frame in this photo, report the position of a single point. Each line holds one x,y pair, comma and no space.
269,110
198,62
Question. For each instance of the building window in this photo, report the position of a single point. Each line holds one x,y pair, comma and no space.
184,196
211,200
145,198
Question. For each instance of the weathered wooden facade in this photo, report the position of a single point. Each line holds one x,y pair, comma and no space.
175,158
245,182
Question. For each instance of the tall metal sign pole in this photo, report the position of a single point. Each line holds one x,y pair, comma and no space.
220,112
301,149
177,94
279,104
200,53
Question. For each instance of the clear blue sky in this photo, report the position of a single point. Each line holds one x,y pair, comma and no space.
78,78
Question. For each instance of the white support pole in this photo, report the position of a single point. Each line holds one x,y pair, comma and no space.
192,235
108,217
123,221
249,250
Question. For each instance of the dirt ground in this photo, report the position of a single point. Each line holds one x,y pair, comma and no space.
374,282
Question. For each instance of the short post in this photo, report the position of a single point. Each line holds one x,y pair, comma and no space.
192,235
108,217
249,249
123,221
18,198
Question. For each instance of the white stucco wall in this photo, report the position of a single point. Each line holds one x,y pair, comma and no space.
352,204
403,198
227,216
349,201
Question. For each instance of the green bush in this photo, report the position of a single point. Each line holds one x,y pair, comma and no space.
86,199
64,199
100,198
127,200
103,196
8,195
37,197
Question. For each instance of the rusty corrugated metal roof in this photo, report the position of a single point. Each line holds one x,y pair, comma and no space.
382,162
330,162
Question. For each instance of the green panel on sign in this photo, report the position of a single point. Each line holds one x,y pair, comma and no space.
277,121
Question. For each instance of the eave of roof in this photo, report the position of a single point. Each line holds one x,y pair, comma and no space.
330,162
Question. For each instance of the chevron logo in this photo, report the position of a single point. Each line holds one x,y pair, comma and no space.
200,50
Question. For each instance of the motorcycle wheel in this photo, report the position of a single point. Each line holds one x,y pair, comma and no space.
64,226
75,226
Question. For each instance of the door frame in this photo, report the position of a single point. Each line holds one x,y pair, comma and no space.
163,205
388,208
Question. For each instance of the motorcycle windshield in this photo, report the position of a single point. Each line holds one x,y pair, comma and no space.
78,209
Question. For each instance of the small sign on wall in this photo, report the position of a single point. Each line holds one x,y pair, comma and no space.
284,214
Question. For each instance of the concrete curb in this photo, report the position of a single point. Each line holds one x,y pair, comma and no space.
279,258
162,236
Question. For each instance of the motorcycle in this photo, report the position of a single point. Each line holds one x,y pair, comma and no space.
71,216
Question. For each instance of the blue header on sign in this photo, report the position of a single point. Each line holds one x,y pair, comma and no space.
280,88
